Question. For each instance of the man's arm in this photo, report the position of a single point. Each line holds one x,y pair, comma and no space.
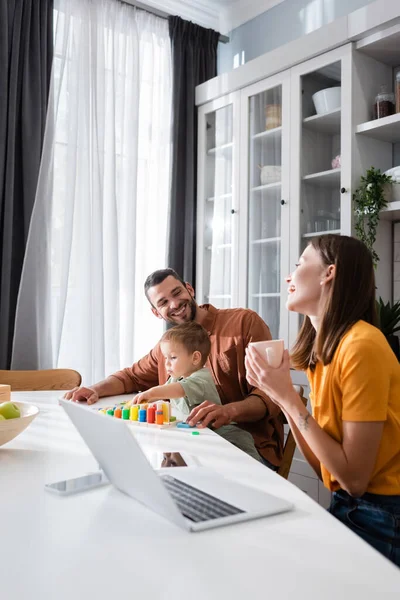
256,405
247,410
108,387
142,375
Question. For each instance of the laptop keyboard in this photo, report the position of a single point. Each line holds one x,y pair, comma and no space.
195,504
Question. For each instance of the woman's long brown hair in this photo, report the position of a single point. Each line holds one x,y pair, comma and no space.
351,298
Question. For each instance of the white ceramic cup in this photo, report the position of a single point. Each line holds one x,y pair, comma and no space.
272,350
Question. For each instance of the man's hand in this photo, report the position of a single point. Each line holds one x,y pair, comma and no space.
208,413
82,393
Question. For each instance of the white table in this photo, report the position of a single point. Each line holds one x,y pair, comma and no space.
103,545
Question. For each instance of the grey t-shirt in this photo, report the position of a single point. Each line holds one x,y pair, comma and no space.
199,386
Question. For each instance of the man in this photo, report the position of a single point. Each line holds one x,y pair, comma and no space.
230,331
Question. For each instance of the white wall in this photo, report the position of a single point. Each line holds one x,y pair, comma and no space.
281,24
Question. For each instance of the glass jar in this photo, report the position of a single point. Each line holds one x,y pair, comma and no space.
384,103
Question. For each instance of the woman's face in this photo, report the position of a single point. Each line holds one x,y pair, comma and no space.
307,283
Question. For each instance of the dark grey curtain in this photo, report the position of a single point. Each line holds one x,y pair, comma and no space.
26,51
194,60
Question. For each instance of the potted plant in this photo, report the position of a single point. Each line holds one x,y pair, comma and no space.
389,323
369,199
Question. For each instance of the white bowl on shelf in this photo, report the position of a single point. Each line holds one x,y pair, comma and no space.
327,100
270,174
10,428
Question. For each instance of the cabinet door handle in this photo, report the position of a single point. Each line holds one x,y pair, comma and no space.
283,202
233,211
343,190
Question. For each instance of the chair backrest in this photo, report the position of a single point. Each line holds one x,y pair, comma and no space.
48,379
290,444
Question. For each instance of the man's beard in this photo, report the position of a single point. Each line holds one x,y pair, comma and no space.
192,314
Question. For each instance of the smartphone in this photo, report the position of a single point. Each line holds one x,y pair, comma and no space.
78,484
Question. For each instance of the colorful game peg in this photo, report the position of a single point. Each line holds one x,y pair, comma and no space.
110,412
165,409
118,413
125,413
134,413
142,415
151,414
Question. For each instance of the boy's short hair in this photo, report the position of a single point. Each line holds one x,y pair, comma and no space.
192,336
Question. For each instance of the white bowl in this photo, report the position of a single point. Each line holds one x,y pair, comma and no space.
270,174
10,428
327,100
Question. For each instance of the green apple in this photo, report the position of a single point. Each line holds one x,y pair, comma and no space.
2,418
9,410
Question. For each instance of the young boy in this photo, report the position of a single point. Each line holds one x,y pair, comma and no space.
185,349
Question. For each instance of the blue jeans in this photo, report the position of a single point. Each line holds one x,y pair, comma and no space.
375,518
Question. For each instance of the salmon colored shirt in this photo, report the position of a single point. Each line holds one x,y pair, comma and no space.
362,383
230,331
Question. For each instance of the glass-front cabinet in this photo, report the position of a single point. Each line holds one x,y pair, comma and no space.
217,204
321,153
264,190
276,168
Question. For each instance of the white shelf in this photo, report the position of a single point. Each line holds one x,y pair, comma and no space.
383,46
224,149
386,129
330,178
266,241
316,233
267,186
267,134
328,123
219,247
220,197
391,212
272,295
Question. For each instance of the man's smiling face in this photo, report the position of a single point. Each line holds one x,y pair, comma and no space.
173,301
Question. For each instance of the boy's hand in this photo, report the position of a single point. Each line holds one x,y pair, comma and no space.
139,399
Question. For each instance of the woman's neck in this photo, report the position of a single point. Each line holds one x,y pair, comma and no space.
315,321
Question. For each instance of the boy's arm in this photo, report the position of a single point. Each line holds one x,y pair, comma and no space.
160,392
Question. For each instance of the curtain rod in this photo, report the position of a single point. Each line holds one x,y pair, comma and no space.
224,39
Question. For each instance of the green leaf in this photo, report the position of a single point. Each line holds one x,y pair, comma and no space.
389,317
368,201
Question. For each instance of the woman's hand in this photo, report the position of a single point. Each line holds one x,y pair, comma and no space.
276,383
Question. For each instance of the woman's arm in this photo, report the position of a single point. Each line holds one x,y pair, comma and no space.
303,446
351,462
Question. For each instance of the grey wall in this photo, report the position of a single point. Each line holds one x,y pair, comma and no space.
281,24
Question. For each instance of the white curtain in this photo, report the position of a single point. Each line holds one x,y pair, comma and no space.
99,224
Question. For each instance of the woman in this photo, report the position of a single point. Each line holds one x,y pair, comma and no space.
352,439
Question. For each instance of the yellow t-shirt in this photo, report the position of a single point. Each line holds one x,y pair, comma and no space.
362,383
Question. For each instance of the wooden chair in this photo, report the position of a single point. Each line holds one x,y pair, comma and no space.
48,379
290,444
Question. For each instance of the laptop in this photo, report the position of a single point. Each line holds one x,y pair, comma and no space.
194,498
